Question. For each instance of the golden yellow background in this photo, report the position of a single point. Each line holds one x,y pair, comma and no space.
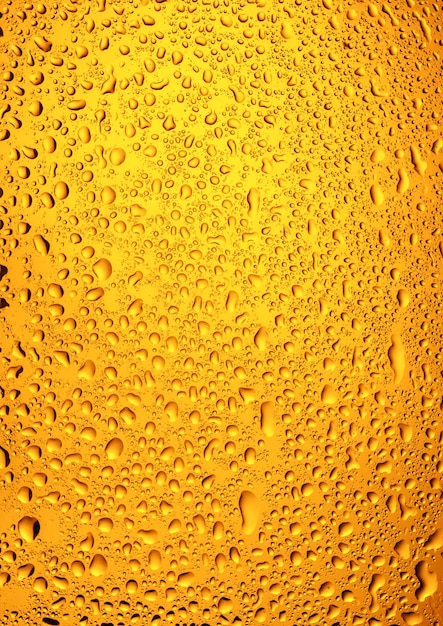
220,313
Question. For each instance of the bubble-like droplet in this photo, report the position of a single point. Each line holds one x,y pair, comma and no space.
225,605
155,560
49,144
345,529
78,568
87,370
250,511
36,78
185,192
327,589
378,155
250,456
286,30
403,297
55,290
108,195
77,105
267,418
4,458
428,578
169,123
117,156
397,358
24,495
261,338
419,163
329,395
95,294
41,245
232,301
135,308
98,565
102,269
35,108
253,201
402,548
105,524
403,181
149,537
28,528
61,190
377,195
84,134
186,579
87,543
114,448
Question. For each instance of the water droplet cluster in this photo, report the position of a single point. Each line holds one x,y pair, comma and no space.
221,312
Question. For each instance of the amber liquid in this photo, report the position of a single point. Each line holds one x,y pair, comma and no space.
220,313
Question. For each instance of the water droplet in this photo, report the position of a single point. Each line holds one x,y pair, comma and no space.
250,511
98,565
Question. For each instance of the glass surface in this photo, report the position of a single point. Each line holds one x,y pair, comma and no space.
221,248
